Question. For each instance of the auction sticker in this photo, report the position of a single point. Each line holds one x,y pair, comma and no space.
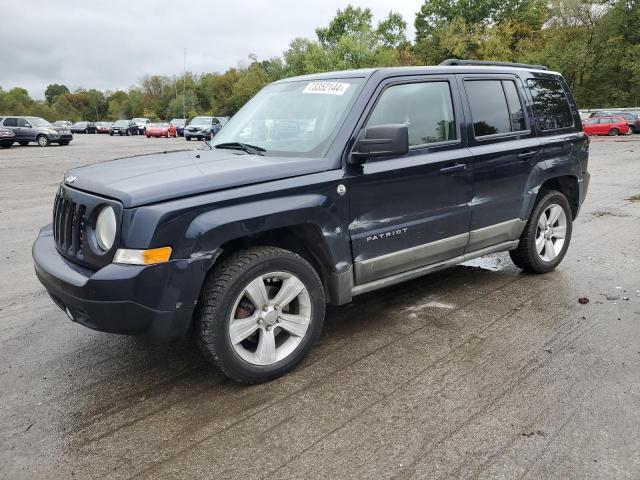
326,88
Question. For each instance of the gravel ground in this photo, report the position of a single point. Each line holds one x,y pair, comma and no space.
478,371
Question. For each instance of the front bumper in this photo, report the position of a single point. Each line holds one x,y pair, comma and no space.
197,134
155,300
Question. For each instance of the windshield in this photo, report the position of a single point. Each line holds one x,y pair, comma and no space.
201,121
139,120
159,125
122,123
38,122
294,118
178,121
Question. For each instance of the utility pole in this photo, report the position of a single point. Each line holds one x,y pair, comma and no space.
184,83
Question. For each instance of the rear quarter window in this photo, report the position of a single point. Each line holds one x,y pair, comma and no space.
550,104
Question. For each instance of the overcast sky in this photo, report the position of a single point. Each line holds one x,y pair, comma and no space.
112,44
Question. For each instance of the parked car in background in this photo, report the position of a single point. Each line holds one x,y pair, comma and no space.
177,125
83,127
158,130
7,137
124,127
36,129
612,126
103,127
63,123
202,128
632,120
141,123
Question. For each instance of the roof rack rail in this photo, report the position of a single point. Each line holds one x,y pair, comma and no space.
457,62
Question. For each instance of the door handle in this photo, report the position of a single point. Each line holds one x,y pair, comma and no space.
454,168
528,154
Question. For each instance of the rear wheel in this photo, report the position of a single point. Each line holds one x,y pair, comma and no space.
187,138
259,313
545,239
24,144
43,140
614,132
64,142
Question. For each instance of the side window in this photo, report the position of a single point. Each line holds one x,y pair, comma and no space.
495,107
550,104
516,112
10,122
215,121
426,108
22,122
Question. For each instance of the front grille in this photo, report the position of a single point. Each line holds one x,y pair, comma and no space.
68,225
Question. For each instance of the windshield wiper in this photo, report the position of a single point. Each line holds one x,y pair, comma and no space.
245,147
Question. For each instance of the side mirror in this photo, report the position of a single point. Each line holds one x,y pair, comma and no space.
381,141
27,125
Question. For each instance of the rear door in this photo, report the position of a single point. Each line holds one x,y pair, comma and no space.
412,210
12,123
505,149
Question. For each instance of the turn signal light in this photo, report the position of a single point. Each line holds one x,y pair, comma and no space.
142,257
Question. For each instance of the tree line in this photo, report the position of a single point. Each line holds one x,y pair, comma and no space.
595,44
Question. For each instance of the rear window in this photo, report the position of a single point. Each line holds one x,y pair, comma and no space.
495,107
11,122
550,104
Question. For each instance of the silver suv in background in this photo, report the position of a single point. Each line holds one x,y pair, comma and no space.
36,129
142,124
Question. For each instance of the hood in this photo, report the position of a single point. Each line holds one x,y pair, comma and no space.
157,177
60,129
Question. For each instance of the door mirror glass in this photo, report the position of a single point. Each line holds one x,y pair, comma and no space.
381,141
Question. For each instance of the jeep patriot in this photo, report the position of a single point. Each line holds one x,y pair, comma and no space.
321,188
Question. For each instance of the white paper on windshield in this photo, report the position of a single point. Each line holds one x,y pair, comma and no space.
326,88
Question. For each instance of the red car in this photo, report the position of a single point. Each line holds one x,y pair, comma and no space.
160,130
606,126
103,127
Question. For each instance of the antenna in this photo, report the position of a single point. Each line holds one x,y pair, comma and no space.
184,84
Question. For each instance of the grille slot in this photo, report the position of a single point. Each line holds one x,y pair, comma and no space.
68,225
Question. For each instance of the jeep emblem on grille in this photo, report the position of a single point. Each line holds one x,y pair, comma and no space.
70,179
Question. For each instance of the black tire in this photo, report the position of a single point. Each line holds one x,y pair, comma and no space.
219,293
526,255
614,132
24,144
43,140
111,134
65,142
6,145
187,138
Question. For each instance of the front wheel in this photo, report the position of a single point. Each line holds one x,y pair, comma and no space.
187,138
64,142
614,132
259,313
43,141
23,144
545,239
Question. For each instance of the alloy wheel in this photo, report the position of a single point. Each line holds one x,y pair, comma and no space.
270,318
551,232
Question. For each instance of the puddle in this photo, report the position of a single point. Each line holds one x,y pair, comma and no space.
493,263
606,213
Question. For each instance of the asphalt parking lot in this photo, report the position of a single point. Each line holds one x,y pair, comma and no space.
479,371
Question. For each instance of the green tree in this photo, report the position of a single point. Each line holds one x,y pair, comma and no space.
53,91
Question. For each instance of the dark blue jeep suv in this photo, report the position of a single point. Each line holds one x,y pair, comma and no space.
319,189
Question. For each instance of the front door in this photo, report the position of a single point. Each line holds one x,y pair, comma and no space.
27,131
413,210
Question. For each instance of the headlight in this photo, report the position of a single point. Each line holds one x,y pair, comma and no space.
51,130
106,228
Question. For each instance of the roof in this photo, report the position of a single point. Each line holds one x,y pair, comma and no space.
416,70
